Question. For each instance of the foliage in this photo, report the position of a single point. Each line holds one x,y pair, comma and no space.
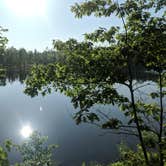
91,68
4,153
129,157
36,152
7,145
132,158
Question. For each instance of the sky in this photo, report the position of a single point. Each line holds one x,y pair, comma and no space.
33,24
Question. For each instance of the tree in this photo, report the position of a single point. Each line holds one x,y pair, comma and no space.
89,70
36,152
151,45
3,42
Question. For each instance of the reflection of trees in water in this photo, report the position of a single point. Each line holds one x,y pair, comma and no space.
2,81
14,73
2,77
142,76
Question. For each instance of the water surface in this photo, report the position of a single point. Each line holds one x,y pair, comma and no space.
52,116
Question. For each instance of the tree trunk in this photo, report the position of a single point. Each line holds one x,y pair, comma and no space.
138,126
135,110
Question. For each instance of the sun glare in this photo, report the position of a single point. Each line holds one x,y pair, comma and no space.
27,7
26,131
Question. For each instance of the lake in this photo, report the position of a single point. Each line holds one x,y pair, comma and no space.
52,116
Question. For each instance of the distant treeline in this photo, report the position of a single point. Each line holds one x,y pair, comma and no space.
22,57
17,63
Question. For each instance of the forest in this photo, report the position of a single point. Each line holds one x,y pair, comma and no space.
22,58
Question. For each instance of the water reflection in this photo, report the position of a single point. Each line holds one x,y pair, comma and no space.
20,74
12,74
26,131
41,108
50,116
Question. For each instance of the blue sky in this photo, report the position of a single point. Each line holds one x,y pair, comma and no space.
36,29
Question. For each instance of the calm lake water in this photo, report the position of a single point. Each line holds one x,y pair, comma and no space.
52,116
